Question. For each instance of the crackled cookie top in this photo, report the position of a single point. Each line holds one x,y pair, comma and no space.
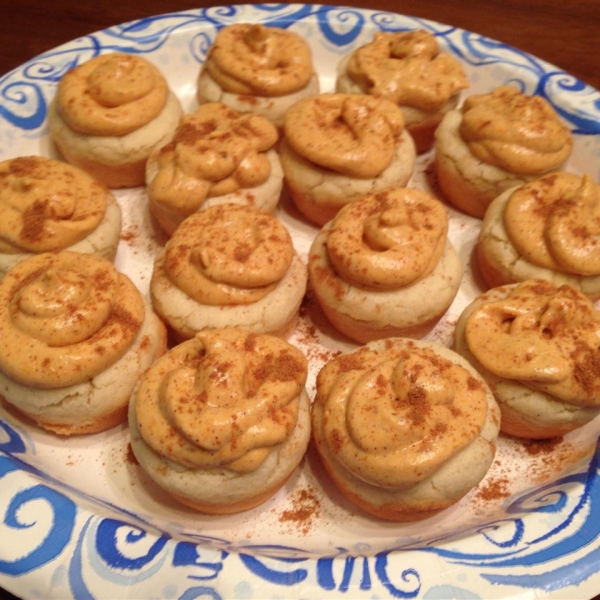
221,400
519,133
554,222
111,95
395,413
46,205
544,336
408,68
228,254
351,134
215,151
388,239
262,61
64,318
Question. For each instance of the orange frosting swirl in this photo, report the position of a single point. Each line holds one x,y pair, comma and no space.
221,400
46,205
64,318
513,131
111,95
388,239
228,254
407,68
545,337
554,222
394,416
215,151
261,61
352,134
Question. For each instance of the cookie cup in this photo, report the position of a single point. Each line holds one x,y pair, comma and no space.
529,411
119,162
269,107
466,182
217,156
256,69
562,227
85,384
49,206
339,147
229,266
413,283
494,142
108,115
408,68
372,472
240,469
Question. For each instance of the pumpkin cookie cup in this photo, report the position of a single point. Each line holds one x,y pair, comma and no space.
109,113
221,421
383,267
229,266
339,147
495,142
536,344
257,69
218,155
545,229
76,337
405,428
409,69
48,206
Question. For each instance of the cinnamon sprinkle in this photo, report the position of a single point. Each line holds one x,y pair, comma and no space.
34,221
305,508
494,489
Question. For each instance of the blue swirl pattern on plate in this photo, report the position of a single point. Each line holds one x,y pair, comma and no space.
88,548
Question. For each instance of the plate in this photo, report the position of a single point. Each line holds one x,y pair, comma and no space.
78,517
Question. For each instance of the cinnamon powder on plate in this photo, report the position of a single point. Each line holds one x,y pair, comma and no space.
306,507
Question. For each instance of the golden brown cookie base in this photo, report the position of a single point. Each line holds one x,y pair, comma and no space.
100,422
492,276
368,331
398,512
459,192
319,193
500,263
316,212
166,221
125,175
513,423
96,425
423,133
495,277
178,336
234,507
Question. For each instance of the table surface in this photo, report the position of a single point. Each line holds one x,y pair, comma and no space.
562,33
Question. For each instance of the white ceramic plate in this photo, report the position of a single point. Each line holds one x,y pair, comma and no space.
78,519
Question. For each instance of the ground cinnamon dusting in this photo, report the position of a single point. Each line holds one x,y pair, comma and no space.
130,456
417,405
549,458
131,234
307,332
494,489
337,441
305,508
283,367
125,318
535,447
145,343
34,221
